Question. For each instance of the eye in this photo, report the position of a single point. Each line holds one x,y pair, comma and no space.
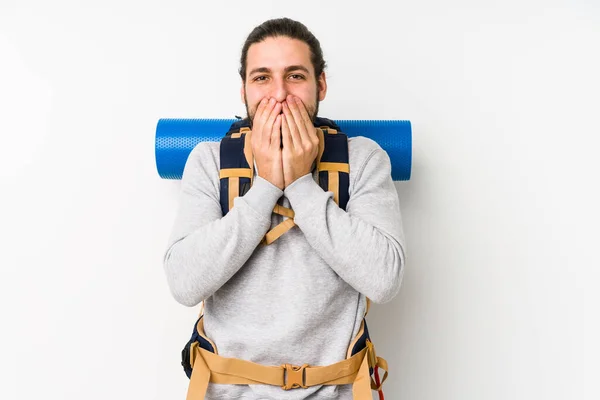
260,78
297,76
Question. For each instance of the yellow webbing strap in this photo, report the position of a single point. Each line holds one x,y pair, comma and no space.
234,190
334,185
239,134
330,166
235,173
279,230
328,129
284,211
210,367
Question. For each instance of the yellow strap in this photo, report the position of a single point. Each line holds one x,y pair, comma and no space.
236,371
334,185
328,129
239,134
199,380
235,172
210,367
332,166
279,230
284,211
283,227
340,373
361,389
234,190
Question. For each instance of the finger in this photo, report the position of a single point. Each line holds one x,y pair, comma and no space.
285,133
257,114
295,109
259,121
304,113
266,113
292,126
276,132
261,106
270,121
260,109
311,132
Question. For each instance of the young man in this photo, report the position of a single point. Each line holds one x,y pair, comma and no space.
301,299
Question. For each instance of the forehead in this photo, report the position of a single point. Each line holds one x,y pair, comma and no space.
276,53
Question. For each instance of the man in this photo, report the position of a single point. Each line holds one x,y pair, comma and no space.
301,299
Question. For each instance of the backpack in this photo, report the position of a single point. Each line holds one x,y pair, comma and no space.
200,359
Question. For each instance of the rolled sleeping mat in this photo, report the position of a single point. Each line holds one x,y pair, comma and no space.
176,138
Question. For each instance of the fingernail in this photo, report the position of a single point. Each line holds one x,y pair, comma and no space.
272,101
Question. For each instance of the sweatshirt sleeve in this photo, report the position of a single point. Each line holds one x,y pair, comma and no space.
364,245
205,248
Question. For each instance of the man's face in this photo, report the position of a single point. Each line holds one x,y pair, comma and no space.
277,67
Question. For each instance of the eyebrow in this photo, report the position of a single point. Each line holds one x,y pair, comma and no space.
286,70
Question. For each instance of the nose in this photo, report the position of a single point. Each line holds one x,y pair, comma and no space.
279,90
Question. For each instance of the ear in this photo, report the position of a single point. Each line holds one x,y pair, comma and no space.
243,92
322,86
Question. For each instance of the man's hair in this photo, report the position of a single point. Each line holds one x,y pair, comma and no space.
284,27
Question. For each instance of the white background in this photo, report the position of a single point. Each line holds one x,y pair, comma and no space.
499,297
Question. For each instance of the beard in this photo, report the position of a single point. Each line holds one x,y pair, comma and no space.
311,110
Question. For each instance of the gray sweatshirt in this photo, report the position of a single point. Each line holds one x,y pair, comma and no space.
302,298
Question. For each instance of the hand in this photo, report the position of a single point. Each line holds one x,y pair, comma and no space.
266,142
300,140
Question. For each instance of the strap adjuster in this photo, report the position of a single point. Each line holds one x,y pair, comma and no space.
294,377
372,357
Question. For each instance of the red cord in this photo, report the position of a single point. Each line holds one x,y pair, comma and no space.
378,383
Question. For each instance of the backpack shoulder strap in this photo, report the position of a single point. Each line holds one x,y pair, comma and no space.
236,165
332,162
